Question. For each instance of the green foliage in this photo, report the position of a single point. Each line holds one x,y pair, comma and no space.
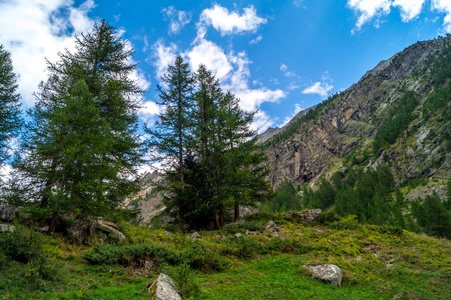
183,277
197,255
348,222
285,199
81,146
433,216
396,123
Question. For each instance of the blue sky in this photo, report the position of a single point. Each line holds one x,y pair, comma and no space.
277,56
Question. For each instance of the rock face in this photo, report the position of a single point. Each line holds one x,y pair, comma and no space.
310,147
330,274
7,212
310,215
164,289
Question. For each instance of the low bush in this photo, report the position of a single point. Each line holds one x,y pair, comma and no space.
348,222
285,246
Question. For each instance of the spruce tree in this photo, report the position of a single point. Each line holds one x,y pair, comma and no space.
10,121
81,148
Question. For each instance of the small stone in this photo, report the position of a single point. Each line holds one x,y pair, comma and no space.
221,237
7,228
194,236
148,265
238,235
274,234
310,215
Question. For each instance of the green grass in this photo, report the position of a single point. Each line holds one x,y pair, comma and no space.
376,264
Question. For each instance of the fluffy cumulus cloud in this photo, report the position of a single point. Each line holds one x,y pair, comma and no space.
230,22
177,18
35,30
368,10
320,88
149,110
231,68
410,9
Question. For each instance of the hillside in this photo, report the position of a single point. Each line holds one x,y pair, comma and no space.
243,261
414,138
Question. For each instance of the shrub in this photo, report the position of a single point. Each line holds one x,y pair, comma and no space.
241,247
284,246
328,218
184,280
22,245
348,222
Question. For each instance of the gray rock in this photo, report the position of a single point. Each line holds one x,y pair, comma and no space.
238,234
195,236
330,274
80,232
7,212
112,228
7,228
220,237
310,215
272,227
164,289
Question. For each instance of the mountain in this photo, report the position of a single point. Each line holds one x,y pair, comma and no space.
398,113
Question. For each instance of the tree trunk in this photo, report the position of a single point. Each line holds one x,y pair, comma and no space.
237,212
221,214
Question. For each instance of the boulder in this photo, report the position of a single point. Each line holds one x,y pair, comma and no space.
238,235
7,228
164,289
310,215
195,236
330,274
112,228
7,212
220,237
80,231
272,227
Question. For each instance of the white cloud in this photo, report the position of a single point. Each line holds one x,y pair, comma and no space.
178,19
410,9
229,22
149,110
369,9
35,30
163,57
320,88
212,56
297,109
285,71
444,6
261,122
256,40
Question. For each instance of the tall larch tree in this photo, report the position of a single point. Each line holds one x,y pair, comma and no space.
169,139
10,121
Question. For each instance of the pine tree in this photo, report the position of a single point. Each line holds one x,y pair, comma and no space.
10,121
81,148
172,134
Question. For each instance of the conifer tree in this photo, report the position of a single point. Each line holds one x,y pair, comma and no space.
81,149
172,133
10,121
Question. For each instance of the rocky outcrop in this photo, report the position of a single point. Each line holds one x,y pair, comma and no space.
310,215
194,236
330,274
81,231
7,212
271,227
163,288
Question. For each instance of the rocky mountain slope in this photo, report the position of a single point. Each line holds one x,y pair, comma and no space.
342,129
